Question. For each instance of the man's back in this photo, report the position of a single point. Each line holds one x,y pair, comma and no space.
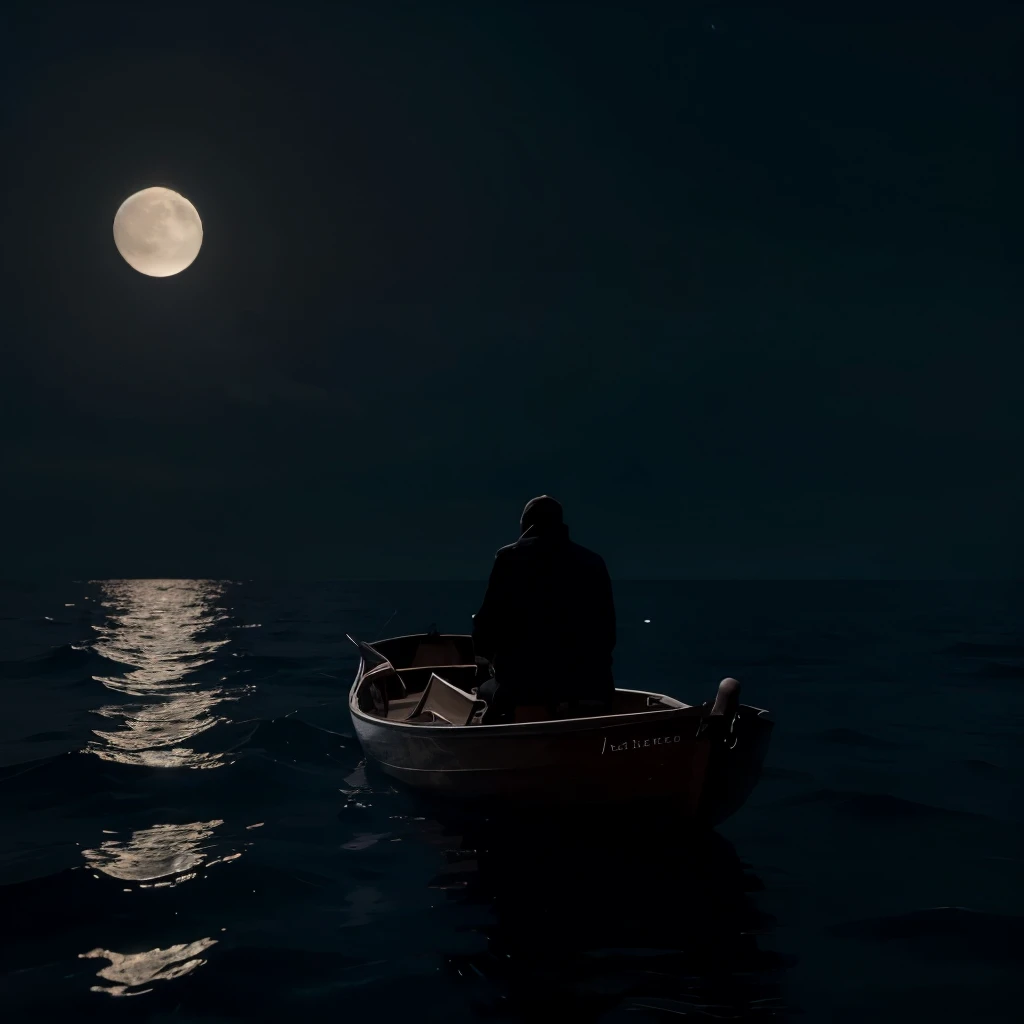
548,618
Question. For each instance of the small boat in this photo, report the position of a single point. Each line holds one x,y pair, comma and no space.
415,710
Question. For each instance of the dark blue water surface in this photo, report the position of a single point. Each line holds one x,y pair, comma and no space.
189,832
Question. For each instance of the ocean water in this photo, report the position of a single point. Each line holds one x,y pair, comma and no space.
188,831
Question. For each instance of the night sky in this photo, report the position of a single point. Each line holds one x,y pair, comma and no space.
741,285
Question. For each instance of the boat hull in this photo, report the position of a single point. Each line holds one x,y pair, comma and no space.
703,766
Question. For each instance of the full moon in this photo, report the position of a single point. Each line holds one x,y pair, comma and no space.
158,232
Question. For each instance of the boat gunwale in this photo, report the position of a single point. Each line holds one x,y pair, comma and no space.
549,724
553,724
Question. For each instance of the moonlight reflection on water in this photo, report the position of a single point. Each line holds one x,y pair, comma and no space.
161,630
129,972
162,851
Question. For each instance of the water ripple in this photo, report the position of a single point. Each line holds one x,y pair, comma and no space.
130,972
162,852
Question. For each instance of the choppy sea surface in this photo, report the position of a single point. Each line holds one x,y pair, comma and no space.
188,831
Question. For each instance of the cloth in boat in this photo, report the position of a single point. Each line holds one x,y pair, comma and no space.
547,622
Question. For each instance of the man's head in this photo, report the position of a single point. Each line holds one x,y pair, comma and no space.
541,514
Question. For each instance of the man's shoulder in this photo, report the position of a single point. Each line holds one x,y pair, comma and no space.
586,556
525,548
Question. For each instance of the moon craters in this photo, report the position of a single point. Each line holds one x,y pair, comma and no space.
158,232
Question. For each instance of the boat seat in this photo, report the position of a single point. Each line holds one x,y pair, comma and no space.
416,679
434,653
398,710
447,702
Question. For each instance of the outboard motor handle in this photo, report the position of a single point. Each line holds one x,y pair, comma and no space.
728,700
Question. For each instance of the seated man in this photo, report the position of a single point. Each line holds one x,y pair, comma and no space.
547,623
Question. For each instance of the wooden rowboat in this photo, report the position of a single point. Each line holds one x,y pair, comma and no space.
415,712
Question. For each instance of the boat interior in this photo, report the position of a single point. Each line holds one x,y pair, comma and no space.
431,679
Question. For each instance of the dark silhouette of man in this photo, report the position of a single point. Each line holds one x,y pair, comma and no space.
547,622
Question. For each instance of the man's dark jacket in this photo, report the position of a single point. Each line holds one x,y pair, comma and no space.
547,622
